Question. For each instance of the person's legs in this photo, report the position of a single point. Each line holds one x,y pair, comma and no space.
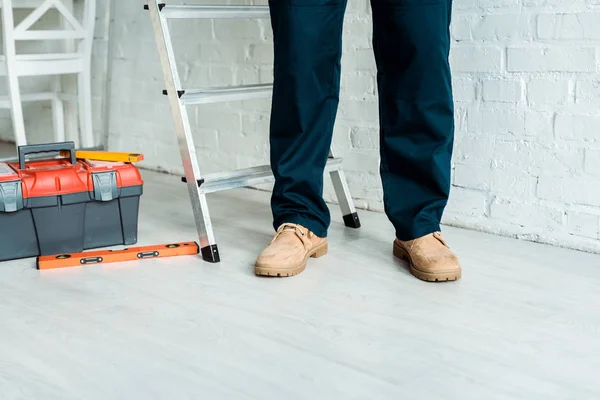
308,46
411,42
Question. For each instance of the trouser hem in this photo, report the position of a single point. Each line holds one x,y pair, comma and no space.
308,223
417,232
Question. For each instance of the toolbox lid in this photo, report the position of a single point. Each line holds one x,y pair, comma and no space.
61,176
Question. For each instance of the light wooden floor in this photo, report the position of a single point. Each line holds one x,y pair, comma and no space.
524,323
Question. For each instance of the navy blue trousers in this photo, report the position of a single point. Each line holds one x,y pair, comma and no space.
411,43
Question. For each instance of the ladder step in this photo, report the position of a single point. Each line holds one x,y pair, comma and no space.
216,12
249,177
222,94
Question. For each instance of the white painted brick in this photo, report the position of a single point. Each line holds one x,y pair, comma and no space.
464,89
511,181
583,224
266,31
217,53
227,31
502,90
466,176
247,75
476,59
578,127
497,27
222,75
365,59
542,92
466,202
474,149
461,26
556,5
256,125
569,190
496,122
460,117
358,6
200,30
539,124
514,182
241,144
358,85
211,118
569,26
265,74
357,160
532,156
527,214
588,92
359,28
364,137
498,3
261,53
359,110
592,161
559,59
206,139
466,4
363,185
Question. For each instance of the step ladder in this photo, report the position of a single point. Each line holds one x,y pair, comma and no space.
198,185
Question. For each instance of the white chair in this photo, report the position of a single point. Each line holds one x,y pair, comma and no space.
77,36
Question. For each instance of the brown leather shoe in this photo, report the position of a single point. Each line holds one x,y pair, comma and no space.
289,251
429,258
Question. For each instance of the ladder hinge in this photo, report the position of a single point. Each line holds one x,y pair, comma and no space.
199,181
160,6
179,93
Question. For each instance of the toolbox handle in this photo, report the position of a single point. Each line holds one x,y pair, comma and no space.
45,148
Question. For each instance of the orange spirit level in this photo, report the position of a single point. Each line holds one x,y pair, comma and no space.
111,256
106,156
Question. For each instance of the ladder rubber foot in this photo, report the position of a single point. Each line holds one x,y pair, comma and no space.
211,254
352,220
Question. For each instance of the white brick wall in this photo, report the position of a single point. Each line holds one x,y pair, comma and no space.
527,90
527,156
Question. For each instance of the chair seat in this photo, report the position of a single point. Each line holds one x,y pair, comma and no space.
45,64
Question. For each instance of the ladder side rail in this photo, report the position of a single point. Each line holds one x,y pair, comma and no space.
342,191
184,133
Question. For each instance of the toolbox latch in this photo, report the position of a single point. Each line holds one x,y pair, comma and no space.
105,186
11,196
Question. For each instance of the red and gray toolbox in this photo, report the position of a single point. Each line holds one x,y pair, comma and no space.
64,205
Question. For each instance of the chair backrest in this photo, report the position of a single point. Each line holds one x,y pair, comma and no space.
72,29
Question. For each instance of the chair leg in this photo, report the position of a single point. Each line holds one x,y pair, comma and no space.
84,97
16,109
58,117
58,112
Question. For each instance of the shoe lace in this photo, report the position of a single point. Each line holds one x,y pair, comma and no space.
436,235
288,227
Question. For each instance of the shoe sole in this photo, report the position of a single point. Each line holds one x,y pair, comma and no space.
454,275
318,251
